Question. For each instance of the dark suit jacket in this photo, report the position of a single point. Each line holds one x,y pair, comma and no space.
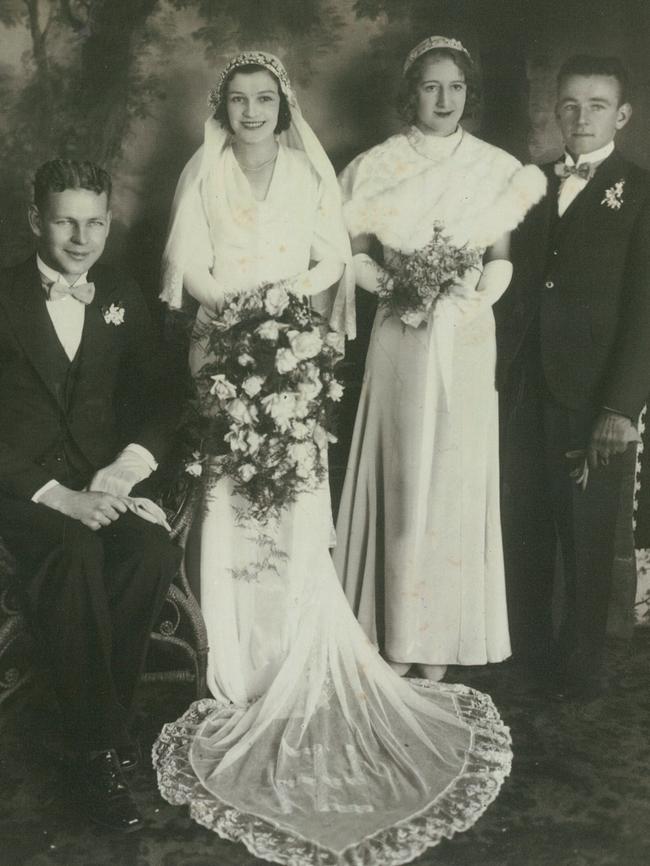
115,396
584,282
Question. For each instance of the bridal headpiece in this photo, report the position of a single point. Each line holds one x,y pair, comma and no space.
260,58
429,44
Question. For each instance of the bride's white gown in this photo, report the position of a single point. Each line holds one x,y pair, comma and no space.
313,751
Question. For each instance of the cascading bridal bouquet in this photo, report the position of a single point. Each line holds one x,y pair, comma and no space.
262,409
413,281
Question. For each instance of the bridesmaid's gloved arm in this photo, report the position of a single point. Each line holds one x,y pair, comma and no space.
368,274
469,301
495,279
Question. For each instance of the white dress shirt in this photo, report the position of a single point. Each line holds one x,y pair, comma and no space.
67,315
573,185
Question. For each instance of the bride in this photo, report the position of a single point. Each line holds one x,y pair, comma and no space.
312,750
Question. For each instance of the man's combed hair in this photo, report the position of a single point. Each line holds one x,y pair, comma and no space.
590,64
58,175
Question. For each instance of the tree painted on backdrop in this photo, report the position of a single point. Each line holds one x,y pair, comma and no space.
91,69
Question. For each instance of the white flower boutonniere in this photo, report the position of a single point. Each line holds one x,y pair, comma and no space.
614,195
114,315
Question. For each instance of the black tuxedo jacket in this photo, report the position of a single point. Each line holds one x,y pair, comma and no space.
582,282
113,395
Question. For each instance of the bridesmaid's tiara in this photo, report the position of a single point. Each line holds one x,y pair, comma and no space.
260,58
429,44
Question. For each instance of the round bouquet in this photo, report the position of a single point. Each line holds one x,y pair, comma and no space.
263,404
415,280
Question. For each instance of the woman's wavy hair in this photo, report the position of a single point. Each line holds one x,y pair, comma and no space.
406,102
221,113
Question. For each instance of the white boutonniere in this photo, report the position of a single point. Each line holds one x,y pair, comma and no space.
614,195
114,315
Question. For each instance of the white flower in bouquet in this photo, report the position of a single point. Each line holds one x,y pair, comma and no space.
254,441
223,389
253,385
276,301
274,454
281,407
194,467
310,389
414,318
301,409
285,361
236,438
303,455
269,330
241,412
229,317
246,360
311,371
335,390
305,344
320,437
335,341
247,471
299,430
282,470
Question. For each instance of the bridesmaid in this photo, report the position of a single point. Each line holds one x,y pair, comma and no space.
419,540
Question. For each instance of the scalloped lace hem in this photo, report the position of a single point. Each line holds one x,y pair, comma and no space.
454,810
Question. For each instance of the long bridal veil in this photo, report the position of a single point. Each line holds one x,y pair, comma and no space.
340,762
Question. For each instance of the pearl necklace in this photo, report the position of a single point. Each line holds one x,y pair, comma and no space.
248,169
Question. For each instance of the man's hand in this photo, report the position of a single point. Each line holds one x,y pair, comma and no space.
119,478
94,510
612,433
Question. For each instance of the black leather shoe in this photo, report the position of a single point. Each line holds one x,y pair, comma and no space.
105,797
128,757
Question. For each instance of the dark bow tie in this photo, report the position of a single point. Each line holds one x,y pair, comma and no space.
585,171
83,292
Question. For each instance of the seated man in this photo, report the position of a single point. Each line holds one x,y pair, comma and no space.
80,425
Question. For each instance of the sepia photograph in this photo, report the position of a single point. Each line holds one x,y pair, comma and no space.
324,370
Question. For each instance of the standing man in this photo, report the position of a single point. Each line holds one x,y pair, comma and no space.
574,371
79,428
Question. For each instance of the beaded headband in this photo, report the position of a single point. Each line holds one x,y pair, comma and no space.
429,44
260,58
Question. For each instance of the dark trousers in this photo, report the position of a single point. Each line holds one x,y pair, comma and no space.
543,511
91,599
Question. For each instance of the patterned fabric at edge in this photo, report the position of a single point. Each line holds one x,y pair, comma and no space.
313,752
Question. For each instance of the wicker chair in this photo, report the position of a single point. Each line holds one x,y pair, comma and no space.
180,628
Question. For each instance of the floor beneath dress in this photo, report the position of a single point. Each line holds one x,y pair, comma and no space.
579,793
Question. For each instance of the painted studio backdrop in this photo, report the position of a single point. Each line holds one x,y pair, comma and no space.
125,83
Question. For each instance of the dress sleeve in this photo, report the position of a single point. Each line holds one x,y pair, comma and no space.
332,276
188,243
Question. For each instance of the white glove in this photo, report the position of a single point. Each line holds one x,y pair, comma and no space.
368,274
147,510
493,282
131,466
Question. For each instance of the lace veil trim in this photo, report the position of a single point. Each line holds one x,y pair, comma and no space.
454,810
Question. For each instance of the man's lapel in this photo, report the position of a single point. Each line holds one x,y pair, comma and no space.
545,220
26,310
98,337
